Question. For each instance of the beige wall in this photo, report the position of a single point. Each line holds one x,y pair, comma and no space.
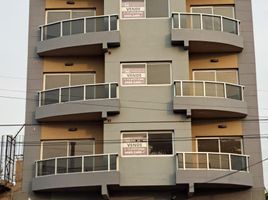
81,4
85,130
80,64
207,2
203,61
210,129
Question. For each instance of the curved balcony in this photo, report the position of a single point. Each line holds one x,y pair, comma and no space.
208,169
89,102
208,99
202,33
76,172
80,36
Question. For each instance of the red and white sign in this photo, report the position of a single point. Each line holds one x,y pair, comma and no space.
133,9
133,75
134,145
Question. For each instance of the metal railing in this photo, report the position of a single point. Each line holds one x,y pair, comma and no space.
212,161
204,21
78,93
79,25
76,164
186,88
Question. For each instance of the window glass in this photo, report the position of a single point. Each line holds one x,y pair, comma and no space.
207,10
204,75
54,149
54,16
231,145
81,79
158,73
157,8
55,81
83,13
224,11
147,143
160,144
208,145
230,76
144,8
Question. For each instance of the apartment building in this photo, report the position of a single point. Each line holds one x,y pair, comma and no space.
141,100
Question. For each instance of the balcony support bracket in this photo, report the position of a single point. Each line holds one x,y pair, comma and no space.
104,192
191,190
105,47
186,44
104,115
188,113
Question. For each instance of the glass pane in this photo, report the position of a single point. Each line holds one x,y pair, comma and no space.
208,22
62,166
113,161
230,26
158,73
157,8
69,165
204,75
190,21
83,13
81,147
54,16
81,79
50,97
56,81
227,11
207,10
234,92
160,144
65,94
195,161
73,27
218,161
175,20
214,89
178,89
239,163
113,23
54,149
97,91
114,90
231,145
180,160
208,145
52,31
96,163
217,23
76,93
193,89
229,76
97,24
46,167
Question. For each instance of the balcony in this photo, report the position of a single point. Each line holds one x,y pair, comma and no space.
208,99
76,172
204,33
82,102
208,169
80,36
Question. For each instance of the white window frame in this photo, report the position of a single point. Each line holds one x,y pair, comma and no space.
219,144
145,6
212,8
147,133
146,72
64,74
68,146
215,73
70,12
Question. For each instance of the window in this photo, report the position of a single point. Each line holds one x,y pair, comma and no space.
138,74
229,76
59,15
64,80
136,9
60,148
227,11
221,145
147,143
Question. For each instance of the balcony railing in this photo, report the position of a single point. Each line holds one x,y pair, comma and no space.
78,26
212,161
204,21
76,164
190,88
78,93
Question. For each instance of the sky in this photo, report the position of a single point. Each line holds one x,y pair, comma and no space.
13,54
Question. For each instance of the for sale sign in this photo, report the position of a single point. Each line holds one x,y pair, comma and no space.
133,75
133,9
134,145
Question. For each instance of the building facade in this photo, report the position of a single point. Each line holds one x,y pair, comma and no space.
141,100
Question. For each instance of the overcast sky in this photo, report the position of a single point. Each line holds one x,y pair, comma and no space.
13,53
